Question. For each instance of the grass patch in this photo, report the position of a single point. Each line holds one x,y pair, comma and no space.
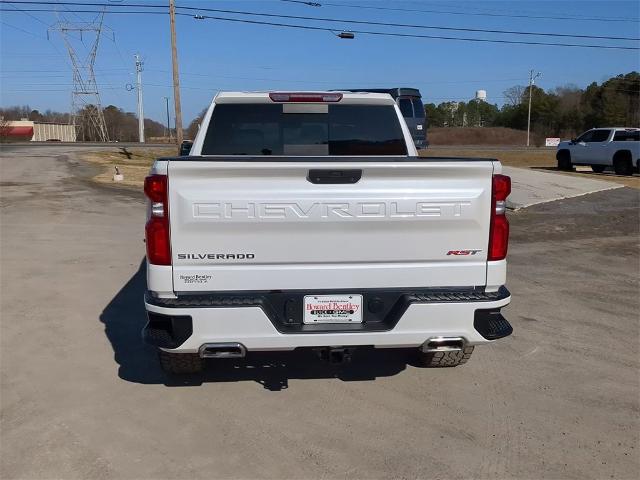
132,162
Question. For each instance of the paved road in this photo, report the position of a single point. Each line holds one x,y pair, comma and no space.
532,187
83,398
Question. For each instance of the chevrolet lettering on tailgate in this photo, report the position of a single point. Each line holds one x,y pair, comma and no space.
329,210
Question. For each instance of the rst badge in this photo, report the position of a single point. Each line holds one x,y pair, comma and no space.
463,253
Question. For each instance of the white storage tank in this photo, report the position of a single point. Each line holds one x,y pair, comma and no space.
481,95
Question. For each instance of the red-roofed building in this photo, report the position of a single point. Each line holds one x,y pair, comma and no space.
29,131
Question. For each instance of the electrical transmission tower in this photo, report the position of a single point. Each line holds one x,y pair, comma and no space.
86,109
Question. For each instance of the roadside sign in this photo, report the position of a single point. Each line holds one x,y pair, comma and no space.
551,142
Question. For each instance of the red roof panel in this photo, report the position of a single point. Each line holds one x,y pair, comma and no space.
19,131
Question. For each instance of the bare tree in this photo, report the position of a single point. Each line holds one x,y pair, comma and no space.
513,96
194,126
4,129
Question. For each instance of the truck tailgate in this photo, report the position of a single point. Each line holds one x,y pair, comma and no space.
256,225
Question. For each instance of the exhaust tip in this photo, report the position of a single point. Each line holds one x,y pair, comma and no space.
443,344
222,350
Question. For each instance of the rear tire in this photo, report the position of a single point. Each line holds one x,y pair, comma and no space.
622,164
443,359
598,168
564,160
180,363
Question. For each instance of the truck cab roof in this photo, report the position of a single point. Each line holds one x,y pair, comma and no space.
368,98
629,129
394,92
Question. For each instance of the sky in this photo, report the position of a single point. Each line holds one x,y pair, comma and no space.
220,55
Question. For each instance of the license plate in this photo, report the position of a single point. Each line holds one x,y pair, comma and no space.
332,309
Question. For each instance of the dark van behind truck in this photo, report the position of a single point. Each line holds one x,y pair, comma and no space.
410,102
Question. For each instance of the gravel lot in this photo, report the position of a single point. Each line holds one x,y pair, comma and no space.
81,397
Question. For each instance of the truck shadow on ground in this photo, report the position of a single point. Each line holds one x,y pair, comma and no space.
124,317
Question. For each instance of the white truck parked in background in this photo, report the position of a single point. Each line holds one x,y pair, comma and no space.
601,148
307,220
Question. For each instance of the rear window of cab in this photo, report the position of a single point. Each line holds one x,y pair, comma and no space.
273,129
411,107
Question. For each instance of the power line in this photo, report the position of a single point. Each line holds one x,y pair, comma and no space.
66,84
341,20
26,13
188,87
54,71
115,44
75,14
32,16
22,30
139,12
362,32
482,14
409,25
35,35
465,7
332,82
410,35
59,74
302,2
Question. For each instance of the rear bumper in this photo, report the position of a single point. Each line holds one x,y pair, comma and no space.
254,322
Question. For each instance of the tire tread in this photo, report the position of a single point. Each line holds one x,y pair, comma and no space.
564,160
622,164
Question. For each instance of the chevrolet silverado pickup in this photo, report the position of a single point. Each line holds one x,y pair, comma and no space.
307,220
601,148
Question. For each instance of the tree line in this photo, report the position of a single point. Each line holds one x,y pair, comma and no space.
121,126
563,111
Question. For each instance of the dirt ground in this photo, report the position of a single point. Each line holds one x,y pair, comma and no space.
445,136
132,162
83,397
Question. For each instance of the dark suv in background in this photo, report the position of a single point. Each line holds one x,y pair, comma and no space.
410,102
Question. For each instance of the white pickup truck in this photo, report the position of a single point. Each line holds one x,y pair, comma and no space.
307,220
601,148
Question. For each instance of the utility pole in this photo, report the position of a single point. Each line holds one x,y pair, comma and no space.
139,64
532,78
168,121
176,78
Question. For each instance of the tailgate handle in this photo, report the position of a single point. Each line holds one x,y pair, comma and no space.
334,176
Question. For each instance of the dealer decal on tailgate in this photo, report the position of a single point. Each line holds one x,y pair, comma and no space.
333,309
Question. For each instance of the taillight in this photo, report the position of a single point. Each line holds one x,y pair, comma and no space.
305,97
499,226
157,227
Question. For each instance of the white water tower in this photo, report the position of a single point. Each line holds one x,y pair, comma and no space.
481,95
